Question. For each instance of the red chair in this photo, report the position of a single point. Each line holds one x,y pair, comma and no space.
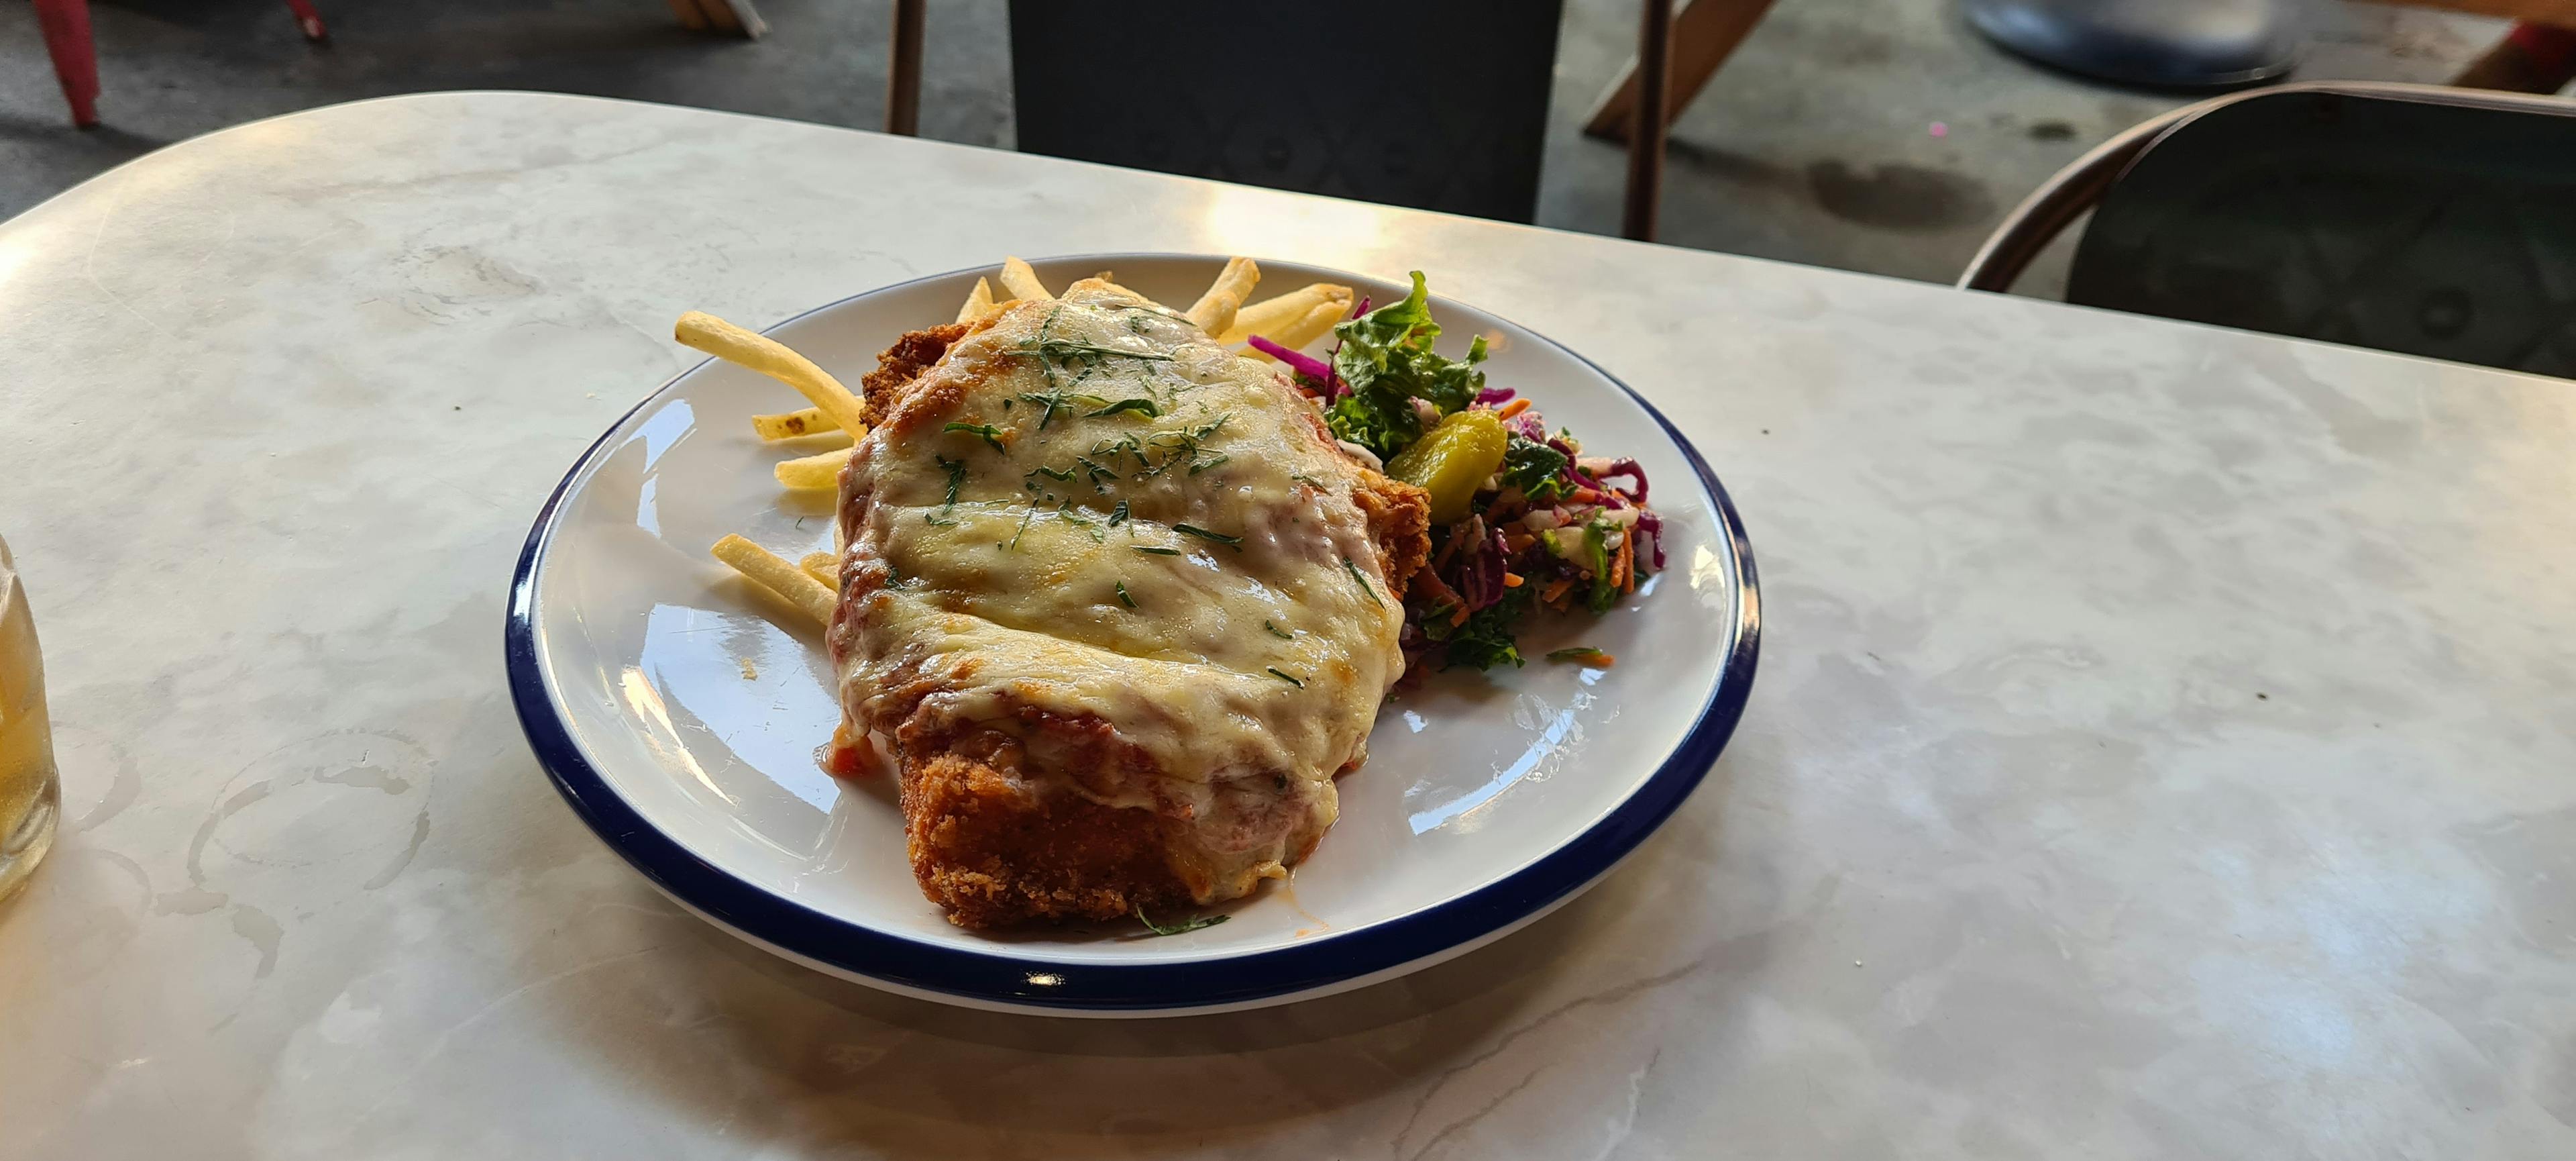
66,27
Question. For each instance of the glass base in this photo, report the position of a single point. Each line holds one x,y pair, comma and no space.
23,848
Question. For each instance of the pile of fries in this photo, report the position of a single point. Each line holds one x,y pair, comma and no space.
1291,320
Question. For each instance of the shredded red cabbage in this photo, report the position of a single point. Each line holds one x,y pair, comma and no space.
1609,496
1651,526
1317,370
1334,388
1481,567
1493,395
1629,468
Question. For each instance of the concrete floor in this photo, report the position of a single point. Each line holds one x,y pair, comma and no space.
1815,144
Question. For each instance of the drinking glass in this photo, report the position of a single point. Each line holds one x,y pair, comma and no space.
30,795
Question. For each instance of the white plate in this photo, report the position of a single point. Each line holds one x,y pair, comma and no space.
680,711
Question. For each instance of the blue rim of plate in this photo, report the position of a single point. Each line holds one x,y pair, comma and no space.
1021,981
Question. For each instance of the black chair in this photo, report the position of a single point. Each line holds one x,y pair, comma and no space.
2422,220
1437,104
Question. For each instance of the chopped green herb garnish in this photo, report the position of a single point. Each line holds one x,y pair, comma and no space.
956,470
1180,928
1204,465
989,433
1065,512
1054,473
1162,451
1068,352
1276,672
1365,586
1118,515
1274,631
1233,542
1023,530
1050,401
1123,598
1096,472
1059,399
1144,307
1145,407
1158,551
1582,653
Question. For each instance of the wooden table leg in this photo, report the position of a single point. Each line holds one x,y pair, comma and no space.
1704,35
67,40
310,20
1647,119
903,77
733,16
2532,58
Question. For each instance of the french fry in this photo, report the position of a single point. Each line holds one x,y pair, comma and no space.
1215,310
1294,336
822,566
820,470
778,575
1023,282
715,336
979,302
811,421
1264,317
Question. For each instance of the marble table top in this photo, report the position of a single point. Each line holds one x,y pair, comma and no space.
2163,745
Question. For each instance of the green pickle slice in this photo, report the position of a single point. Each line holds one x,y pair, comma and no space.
1452,460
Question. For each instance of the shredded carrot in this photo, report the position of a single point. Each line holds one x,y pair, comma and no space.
1461,617
1446,551
1515,407
1511,580
1588,656
1587,496
1626,568
1554,590
1428,585
1518,541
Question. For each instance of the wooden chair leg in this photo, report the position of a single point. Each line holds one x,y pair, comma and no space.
67,40
736,17
1647,119
903,76
1704,35
2532,58
309,19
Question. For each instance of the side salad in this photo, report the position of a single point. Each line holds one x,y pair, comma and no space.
1521,519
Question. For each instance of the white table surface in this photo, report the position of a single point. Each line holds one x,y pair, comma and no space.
2165,742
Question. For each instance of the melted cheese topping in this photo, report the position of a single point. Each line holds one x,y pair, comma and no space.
1088,508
